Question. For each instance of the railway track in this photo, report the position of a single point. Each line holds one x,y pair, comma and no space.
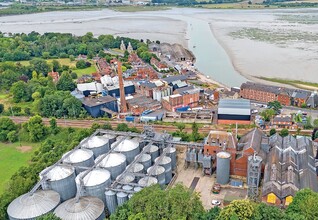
169,128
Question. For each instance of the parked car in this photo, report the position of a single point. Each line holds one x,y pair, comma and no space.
216,202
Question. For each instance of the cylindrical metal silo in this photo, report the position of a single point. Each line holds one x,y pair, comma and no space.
98,144
159,173
121,198
145,160
137,188
166,163
154,152
130,148
94,183
172,153
128,188
80,158
137,168
111,201
86,207
115,163
110,137
223,167
61,178
127,178
32,206
147,181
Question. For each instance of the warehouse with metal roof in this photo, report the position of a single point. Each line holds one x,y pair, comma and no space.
232,111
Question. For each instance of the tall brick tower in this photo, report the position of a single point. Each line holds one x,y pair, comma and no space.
123,104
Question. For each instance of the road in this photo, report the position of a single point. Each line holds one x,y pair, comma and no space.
159,128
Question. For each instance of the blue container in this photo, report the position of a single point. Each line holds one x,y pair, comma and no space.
182,109
130,118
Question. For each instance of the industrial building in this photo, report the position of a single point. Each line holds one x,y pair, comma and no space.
99,175
232,111
100,105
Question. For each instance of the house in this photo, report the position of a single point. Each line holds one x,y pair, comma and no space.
104,68
290,167
81,57
134,59
299,97
99,106
232,111
55,76
160,66
146,72
282,121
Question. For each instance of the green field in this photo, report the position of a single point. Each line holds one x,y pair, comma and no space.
12,158
87,71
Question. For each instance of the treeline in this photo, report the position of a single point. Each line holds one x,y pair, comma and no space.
17,47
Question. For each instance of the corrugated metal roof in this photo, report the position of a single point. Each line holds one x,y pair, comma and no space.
95,177
58,172
29,206
234,107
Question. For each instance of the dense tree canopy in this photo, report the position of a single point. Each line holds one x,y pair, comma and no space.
6,126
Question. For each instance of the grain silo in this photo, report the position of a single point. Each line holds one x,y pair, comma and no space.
128,188
115,163
121,198
94,183
126,178
223,167
98,144
60,178
172,153
79,158
137,188
158,172
136,168
154,152
111,201
111,138
166,163
82,208
147,181
130,148
33,205
145,160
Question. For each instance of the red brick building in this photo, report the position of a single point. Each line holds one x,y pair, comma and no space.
189,98
55,76
282,121
265,93
160,66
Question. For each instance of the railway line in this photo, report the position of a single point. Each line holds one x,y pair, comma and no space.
83,123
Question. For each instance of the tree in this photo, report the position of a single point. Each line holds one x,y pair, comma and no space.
211,214
178,202
74,75
12,136
315,123
6,126
1,108
122,127
267,114
36,128
107,126
241,209
284,132
49,216
40,66
19,92
65,82
195,134
53,126
272,132
80,64
308,124
275,105
304,204
267,212
180,126
316,135
56,65
72,107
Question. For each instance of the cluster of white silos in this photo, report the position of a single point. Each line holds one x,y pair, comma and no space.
79,186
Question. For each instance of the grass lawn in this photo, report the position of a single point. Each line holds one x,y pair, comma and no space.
62,61
88,70
12,157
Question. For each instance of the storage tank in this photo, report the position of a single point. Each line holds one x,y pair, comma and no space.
154,152
32,206
130,148
137,188
147,181
98,144
61,178
145,160
158,172
115,163
128,188
94,183
111,138
223,167
127,178
166,163
137,168
111,201
86,207
172,153
121,198
80,158
140,141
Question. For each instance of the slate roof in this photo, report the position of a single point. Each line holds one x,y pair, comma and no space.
279,118
254,139
301,94
148,84
91,102
171,79
266,88
290,166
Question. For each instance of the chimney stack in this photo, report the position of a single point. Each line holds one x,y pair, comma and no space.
123,105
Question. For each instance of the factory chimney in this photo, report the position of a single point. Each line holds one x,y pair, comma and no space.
123,105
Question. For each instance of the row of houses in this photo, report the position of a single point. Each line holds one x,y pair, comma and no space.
286,96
